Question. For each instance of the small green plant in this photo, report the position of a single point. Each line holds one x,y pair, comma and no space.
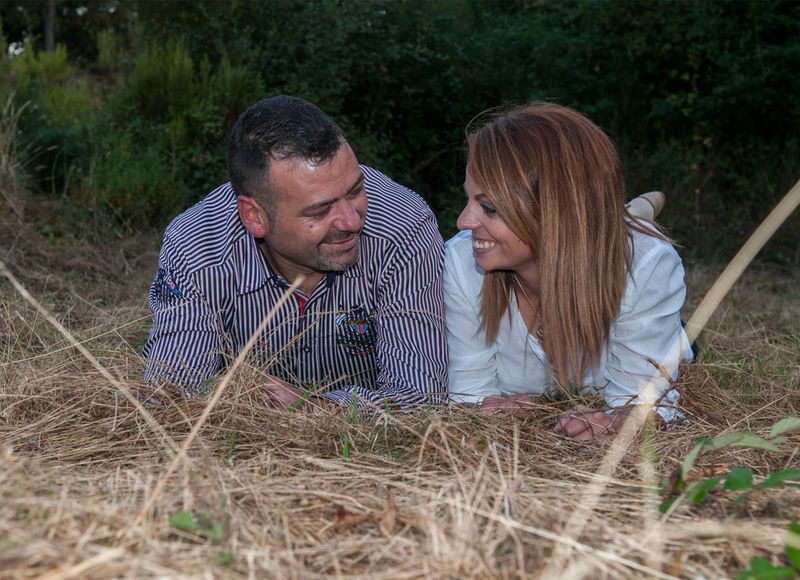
353,419
39,68
205,525
225,558
738,478
741,479
763,569
231,442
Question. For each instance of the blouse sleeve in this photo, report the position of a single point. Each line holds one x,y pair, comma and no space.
648,332
472,374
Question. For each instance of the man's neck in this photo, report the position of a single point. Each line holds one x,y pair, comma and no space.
308,279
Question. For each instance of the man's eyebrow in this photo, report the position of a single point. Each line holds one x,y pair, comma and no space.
319,205
357,185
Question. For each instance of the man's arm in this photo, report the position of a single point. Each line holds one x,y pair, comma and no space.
185,345
411,345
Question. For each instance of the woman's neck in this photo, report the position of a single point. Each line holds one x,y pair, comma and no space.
527,278
529,310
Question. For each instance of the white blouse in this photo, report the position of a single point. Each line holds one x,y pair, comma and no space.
648,327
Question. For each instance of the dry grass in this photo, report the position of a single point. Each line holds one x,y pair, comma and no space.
447,494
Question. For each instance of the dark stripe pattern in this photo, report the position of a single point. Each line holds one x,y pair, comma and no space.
373,333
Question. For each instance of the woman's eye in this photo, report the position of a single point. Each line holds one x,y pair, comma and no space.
488,209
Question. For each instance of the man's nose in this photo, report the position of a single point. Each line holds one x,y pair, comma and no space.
349,219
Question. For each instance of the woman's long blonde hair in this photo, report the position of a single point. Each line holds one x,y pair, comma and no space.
555,179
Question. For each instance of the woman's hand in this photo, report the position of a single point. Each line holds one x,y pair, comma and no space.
518,405
585,423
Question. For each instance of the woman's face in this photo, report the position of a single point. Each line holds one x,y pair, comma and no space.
494,246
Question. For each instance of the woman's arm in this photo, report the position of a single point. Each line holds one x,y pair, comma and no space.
647,341
472,372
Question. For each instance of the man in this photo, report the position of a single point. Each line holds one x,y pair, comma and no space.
366,321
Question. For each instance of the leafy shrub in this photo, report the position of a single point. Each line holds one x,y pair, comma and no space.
54,128
162,80
154,156
701,98
12,174
67,105
109,52
130,181
33,69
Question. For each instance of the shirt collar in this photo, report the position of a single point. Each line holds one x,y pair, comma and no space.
354,271
257,271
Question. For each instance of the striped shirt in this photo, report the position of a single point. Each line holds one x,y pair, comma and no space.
373,333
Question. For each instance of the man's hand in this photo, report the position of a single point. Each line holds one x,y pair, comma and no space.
518,405
282,395
585,424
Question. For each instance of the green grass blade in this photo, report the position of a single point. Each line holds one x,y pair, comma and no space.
779,478
784,425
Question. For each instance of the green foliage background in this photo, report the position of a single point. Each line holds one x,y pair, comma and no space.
129,118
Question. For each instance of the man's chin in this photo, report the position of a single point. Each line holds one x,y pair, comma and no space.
339,262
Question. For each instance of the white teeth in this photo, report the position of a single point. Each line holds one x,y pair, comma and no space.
482,245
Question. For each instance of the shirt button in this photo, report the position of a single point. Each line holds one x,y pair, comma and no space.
307,349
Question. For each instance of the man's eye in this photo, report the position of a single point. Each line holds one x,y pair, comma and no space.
321,213
355,193
488,209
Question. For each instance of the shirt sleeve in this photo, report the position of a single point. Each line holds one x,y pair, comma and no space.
472,375
185,344
411,345
647,333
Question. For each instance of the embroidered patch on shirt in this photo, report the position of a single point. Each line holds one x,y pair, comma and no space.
166,284
356,330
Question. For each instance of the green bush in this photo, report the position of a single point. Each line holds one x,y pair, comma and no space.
162,81
160,144
701,98
54,127
68,105
109,53
13,178
130,182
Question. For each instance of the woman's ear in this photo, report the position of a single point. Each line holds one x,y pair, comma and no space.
253,216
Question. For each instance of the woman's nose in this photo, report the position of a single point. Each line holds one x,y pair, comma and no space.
466,221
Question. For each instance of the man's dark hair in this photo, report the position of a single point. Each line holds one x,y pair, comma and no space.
279,128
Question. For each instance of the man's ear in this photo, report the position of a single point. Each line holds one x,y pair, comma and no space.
253,216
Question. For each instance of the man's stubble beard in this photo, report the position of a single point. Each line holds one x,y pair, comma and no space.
332,264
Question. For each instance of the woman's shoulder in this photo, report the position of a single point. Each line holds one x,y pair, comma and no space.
459,262
656,270
460,245
647,247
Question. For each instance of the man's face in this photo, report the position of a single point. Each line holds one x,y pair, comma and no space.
318,214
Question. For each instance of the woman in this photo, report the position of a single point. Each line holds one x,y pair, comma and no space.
551,281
